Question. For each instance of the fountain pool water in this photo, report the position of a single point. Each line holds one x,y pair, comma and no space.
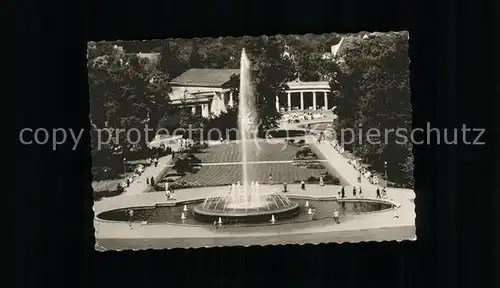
246,201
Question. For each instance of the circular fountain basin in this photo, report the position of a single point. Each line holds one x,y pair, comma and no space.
248,203
238,214
171,214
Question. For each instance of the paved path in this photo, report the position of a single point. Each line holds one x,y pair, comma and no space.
337,160
139,184
351,236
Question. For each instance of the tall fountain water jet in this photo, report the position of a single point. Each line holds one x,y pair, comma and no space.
247,120
246,201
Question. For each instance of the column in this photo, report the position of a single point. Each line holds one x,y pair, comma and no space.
215,104
277,103
222,101
301,100
289,98
231,99
314,100
326,100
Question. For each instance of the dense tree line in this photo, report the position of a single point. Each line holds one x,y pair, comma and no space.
374,92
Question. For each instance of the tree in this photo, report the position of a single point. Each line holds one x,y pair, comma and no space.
124,92
408,166
172,62
194,57
374,93
226,121
159,89
269,75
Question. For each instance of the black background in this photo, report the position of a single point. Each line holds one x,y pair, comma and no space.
50,213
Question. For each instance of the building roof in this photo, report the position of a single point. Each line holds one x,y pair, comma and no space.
297,85
204,77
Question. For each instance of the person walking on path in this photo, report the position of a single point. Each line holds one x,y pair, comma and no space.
303,185
321,182
343,192
130,218
359,178
270,179
360,192
354,191
147,181
156,162
284,187
396,212
152,181
378,192
336,217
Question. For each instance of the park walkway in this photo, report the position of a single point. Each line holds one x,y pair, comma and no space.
337,160
349,174
139,184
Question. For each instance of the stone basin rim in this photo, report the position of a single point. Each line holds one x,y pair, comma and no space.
200,199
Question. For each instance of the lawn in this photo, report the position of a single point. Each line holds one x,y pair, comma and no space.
108,184
223,153
216,175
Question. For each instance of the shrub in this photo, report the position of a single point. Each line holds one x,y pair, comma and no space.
186,163
312,179
315,166
173,185
103,173
328,179
198,147
306,153
98,195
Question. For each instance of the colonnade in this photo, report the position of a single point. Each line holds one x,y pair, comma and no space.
289,100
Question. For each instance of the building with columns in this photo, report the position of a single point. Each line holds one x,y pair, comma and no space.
305,96
208,91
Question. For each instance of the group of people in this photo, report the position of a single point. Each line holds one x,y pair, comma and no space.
322,136
153,161
358,192
169,192
184,143
128,180
294,117
383,194
150,181
138,172
363,172
337,146
336,215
